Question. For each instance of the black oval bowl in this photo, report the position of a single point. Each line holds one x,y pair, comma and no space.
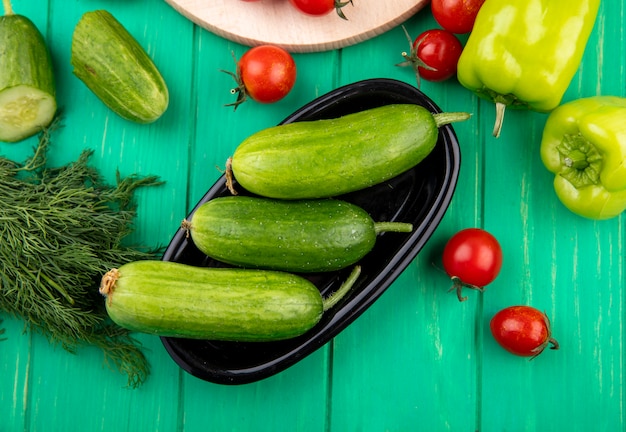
419,196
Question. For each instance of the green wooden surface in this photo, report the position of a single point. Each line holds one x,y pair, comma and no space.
417,360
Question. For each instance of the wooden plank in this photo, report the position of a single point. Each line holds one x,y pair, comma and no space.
409,362
561,263
214,138
292,400
15,352
81,384
15,374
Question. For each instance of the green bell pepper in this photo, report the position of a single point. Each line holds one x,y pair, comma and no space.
584,145
524,54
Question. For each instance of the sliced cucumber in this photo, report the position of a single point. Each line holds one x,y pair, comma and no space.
27,88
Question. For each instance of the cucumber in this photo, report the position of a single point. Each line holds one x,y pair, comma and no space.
113,65
327,158
27,86
299,236
165,298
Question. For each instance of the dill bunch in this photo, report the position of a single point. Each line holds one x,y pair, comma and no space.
61,230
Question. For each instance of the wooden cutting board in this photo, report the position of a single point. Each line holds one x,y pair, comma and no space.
278,22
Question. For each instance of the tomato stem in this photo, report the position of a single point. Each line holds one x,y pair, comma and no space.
551,341
339,6
240,90
554,343
458,285
412,59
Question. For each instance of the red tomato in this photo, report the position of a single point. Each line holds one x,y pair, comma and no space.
320,7
456,16
265,73
434,55
472,258
522,330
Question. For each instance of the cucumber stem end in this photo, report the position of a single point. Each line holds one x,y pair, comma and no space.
185,225
107,285
229,176
400,227
334,298
442,119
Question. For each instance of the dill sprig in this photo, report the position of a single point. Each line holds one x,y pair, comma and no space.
62,229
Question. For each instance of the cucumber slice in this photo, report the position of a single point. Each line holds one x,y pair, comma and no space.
27,87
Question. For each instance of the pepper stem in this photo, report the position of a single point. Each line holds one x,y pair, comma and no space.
8,9
497,127
576,159
581,161
442,119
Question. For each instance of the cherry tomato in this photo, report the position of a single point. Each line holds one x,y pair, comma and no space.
434,55
320,7
472,258
522,330
265,73
456,16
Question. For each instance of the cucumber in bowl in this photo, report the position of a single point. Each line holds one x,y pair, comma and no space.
27,85
231,304
303,236
419,196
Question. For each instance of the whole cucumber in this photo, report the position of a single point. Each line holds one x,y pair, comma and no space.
27,85
112,64
299,236
326,158
177,300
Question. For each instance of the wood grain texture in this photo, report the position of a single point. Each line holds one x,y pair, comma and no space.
277,22
417,360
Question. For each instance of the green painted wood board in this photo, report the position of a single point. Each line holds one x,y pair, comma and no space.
417,360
